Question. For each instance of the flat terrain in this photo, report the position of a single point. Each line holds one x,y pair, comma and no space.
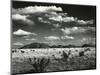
58,62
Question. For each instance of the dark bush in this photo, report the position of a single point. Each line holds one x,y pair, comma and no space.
87,49
65,55
39,64
81,53
14,51
59,52
22,51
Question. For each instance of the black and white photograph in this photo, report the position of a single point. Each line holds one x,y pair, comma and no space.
52,37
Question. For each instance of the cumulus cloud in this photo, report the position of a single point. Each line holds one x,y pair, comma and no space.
43,21
67,37
32,39
22,18
18,43
66,31
52,38
21,32
76,30
88,40
62,19
35,9
85,22
51,15
70,30
55,17
56,25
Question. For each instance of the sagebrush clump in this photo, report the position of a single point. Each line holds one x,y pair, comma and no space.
39,64
65,55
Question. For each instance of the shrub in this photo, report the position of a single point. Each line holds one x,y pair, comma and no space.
82,52
65,55
22,51
59,52
14,51
87,49
76,50
39,64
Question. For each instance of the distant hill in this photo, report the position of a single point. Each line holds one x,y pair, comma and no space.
88,45
44,45
63,46
35,45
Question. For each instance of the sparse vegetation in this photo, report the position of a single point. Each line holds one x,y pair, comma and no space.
38,64
53,60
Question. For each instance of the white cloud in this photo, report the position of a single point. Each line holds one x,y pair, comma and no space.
51,14
88,40
56,18
35,9
22,32
85,22
63,14
78,30
56,25
32,39
52,38
19,17
62,19
18,43
23,18
69,19
48,22
66,31
67,37
73,30
44,21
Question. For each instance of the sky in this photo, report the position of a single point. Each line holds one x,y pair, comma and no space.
54,24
